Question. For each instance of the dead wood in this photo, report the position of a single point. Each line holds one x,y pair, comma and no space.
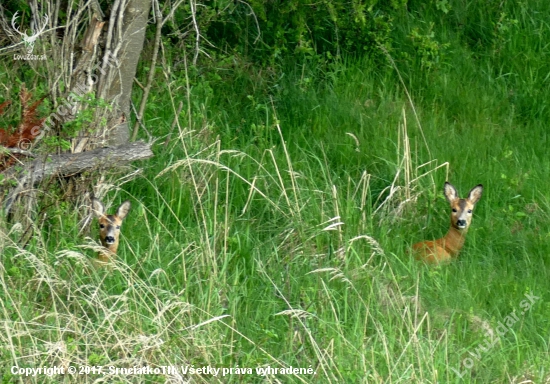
68,164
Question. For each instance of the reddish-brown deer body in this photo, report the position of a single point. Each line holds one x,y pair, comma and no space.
109,228
445,249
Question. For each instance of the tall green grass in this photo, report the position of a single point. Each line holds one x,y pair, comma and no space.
273,228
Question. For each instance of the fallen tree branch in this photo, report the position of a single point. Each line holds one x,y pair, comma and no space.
68,164
17,151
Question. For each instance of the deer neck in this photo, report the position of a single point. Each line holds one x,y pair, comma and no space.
454,240
103,257
107,254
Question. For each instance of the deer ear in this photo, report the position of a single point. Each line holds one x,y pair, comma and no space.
98,207
450,192
123,210
475,194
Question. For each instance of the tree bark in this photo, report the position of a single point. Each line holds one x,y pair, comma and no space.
126,44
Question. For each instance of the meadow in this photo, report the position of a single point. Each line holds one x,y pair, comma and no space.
273,227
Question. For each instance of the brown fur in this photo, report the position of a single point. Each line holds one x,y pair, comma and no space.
109,228
445,249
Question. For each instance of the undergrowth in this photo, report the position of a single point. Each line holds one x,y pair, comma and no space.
272,228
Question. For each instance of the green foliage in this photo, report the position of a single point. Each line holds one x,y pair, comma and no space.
309,29
88,104
271,31
86,120
443,5
20,6
285,207
427,48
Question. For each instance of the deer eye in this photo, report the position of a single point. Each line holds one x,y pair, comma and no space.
454,210
102,226
469,211
118,227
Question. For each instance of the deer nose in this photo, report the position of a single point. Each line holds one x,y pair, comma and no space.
461,223
109,239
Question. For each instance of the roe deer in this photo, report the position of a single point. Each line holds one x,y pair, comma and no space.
444,249
109,228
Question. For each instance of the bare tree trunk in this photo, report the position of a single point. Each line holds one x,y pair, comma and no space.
127,24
